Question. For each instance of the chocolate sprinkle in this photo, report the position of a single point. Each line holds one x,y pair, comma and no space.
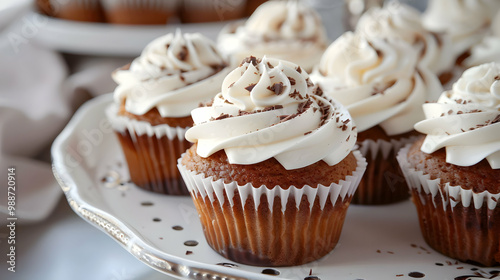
277,88
183,53
251,59
250,87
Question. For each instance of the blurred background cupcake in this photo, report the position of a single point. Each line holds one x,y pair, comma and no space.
401,21
140,11
252,5
454,171
272,172
195,11
153,101
78,10
488,50
382,85
288,30
466,21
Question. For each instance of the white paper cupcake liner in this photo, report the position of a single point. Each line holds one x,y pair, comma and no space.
139,128
450,195
382,183
212,189
151,152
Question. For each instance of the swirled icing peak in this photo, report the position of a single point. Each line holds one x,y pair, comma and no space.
174,74
466,119
378,80
269,108
288,30
401,21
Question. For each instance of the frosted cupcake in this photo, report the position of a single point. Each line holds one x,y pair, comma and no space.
382,86
140,11
401,21
78,10
454,173
466,21
280,29
489,48
272,172
153,101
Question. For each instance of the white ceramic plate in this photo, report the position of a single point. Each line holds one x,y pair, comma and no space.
377,242
108,39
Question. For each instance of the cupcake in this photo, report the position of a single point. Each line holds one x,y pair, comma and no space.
401,21
466,21
196,11
153,101
272,170
284,30
489,48
140,11
78,10
454,171
383,87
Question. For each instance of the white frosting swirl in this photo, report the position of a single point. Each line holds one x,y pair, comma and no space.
489,48
466,120
466,21
378,80
174,73
288,30
401,21
269,109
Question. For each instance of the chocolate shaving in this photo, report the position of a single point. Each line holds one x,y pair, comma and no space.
496,119
299,69
284,118
318,91
181,77
270,65
348,137
277,88
183,53
250,87
221,117
497,78
353,128
251,59
226,101
231,85
295,95
309,83
292,81
304,106
309,132
450,112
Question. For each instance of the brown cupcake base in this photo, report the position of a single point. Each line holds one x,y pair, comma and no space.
262,237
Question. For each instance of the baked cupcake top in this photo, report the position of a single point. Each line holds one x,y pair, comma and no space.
401,21
466,21
288,30
466,119
378,80
175,73
269,108
489,48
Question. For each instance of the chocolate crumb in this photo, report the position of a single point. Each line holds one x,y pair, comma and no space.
250,87
292,81
309,83
450,112
378,251
182,55
277,88
309,132
399,275
251,59
299,69
189,253
390,252
348,137
353,128
181,77
497,78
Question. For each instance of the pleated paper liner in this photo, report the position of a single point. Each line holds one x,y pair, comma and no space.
457,222
383,182
151,153
272,227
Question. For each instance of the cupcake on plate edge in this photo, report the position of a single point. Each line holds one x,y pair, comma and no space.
383,87
153,101
272,170
454,172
